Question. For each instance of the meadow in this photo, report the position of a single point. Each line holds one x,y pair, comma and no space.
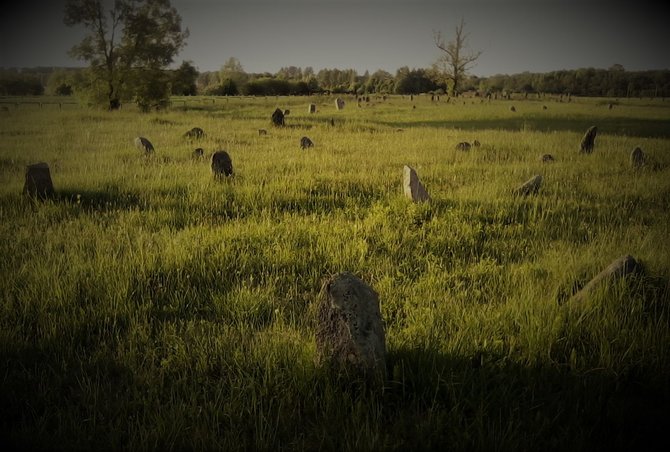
148,306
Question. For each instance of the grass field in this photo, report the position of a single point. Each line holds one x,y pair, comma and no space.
148,306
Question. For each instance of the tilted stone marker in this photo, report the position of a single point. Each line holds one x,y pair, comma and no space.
143,144
349,331
222,165
412,186
463,146
588,140
278,118
637,158
530,187
339,103
547,158
311,108
305,142
619,268
195,133
38,181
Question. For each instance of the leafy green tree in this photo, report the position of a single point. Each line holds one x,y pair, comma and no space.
183,80
128,45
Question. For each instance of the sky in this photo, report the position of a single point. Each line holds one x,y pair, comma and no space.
264,35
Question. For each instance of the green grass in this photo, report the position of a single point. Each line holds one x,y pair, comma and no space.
148,306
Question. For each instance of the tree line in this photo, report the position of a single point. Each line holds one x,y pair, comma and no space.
233,80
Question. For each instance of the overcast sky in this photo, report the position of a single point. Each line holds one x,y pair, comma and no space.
513,35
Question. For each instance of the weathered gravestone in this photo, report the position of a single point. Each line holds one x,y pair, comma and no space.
637,158
588,140
531,186
349,331
619,268
463,146
305,143
195,133
311,108
222,165
143,144
278,118
339,103
38,182
412,186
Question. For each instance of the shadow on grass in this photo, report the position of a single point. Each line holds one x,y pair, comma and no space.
654,128
99,200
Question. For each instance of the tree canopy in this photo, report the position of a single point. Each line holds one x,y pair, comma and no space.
127,48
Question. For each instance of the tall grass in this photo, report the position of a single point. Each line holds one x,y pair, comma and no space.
149,306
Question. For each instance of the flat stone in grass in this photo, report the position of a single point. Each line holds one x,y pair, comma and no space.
349,331
311,108
305,142
619,268
339,103
195,133
278,118
547,158
38,182
637,158
412,186
530,187
588,140
222,165
143,144
463,146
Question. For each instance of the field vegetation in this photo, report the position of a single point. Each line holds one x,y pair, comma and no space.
149,306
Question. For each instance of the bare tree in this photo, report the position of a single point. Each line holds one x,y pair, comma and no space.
456,60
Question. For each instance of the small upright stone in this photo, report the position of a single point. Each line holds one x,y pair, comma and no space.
262,132
530,187
412,186
463,146
512,108
278,118
637,158
143,144
287,112
198,153
350,332
38,181
588,140
619,268
339,103
311,108
305,142
476,143
195,133
547,158
222,165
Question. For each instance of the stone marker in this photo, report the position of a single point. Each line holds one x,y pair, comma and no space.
530,187
512,108
547,158
413,187
143,144
311,108
463,146
476,143
339,103
544,107
287,112
198,153
222,165
619,268
278,118
305,143
38,181
588,141
195,133
637,158
349,330
332,122
262,132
